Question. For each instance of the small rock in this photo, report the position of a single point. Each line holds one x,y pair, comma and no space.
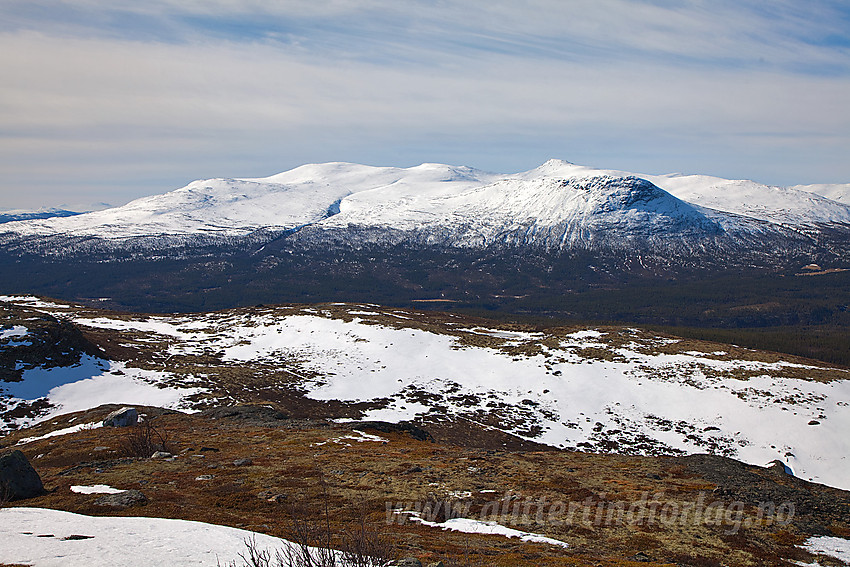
653,476
18,480
124,417
205,477
243,462
122,499
209,450
641,557
437,564
408,562
778,466
161,455
278,498
413,469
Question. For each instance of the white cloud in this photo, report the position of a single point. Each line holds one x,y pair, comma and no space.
399,83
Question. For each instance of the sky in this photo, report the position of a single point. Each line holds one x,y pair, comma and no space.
104,101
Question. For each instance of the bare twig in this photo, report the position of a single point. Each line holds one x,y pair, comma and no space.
312,540
144,439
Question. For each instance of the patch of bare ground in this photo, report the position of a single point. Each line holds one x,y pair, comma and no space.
254,467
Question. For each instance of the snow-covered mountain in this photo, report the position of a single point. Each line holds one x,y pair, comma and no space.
477,208
329,226
599,389
305,195
793,205
837,192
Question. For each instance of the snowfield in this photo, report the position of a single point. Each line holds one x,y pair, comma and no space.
600,389
52,538
837,192
835,547
94,382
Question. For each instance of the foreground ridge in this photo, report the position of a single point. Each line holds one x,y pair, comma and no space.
602,389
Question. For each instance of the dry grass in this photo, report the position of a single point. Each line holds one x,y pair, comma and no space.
290,473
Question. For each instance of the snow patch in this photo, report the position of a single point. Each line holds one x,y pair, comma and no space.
14,332
60,432
152,542
835,547
96,489
359,438
470,526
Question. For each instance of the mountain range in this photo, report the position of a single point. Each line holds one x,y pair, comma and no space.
557,205
342,231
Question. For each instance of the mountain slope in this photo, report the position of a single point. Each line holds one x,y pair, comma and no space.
792,205
511,507
839,192
602,389
546,211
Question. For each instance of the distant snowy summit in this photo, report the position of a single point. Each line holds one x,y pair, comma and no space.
558,206
13,215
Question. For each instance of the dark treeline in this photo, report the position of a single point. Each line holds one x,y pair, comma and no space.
804,315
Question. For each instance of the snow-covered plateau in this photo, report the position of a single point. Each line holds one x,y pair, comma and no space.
601,389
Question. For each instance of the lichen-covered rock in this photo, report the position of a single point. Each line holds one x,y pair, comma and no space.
123,499
124,417
18,480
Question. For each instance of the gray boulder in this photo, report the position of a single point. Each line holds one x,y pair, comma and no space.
408,562
18,480
124,417
122,499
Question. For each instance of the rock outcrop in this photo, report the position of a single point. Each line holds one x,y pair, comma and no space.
18,480
124,417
